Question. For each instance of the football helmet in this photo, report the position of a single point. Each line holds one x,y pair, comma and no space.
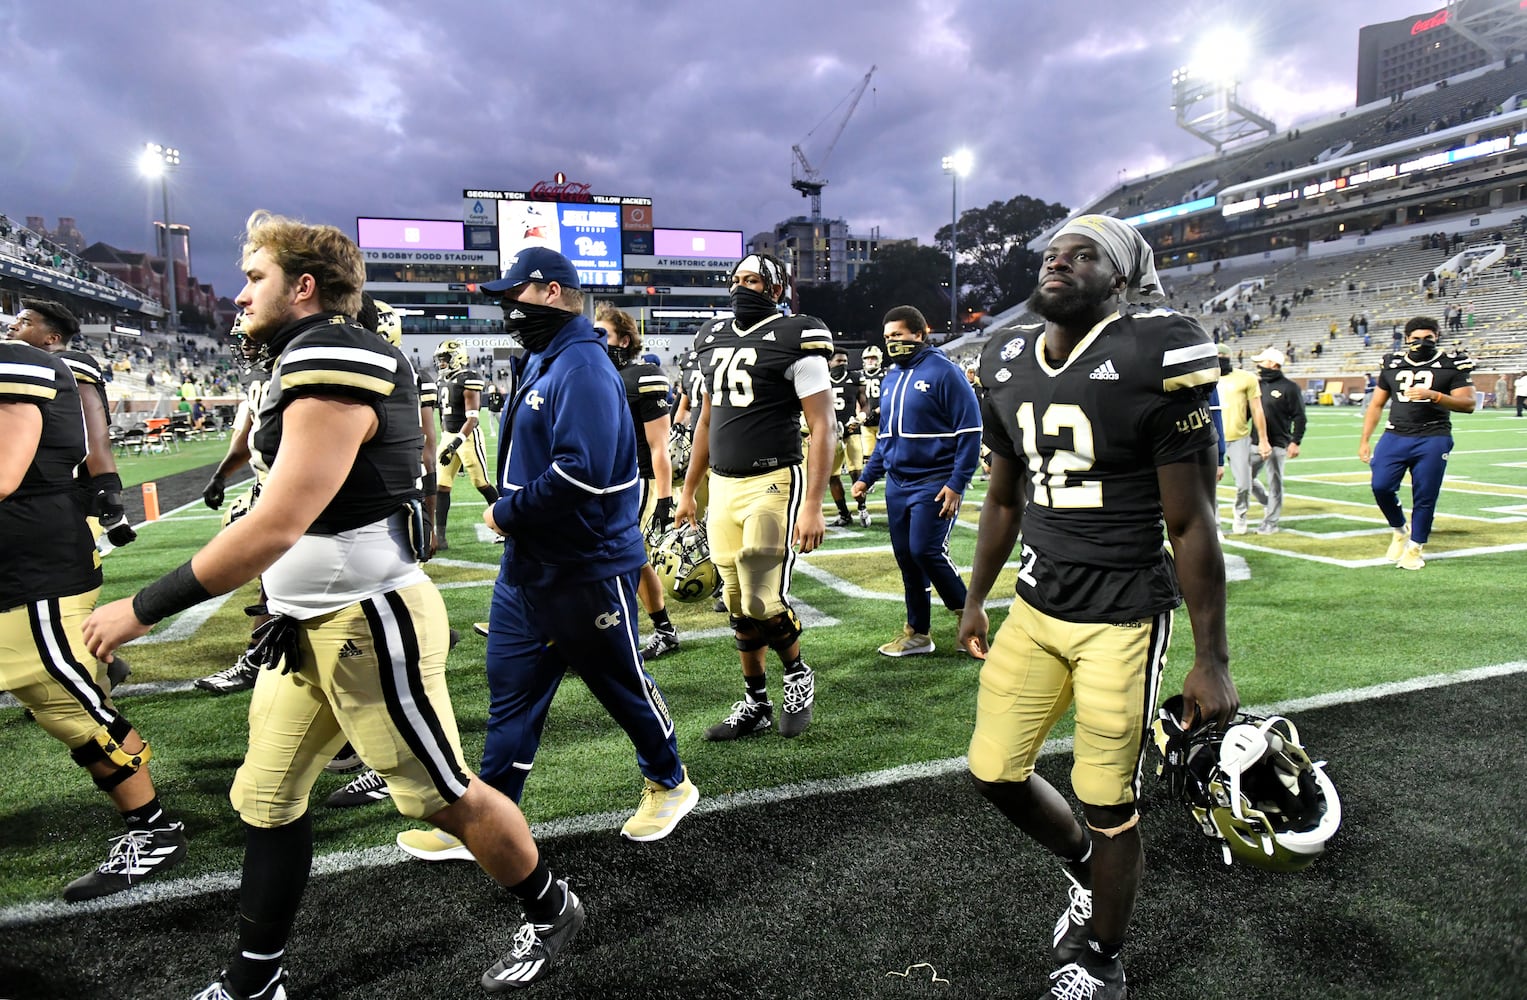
1251,785
872,357
680,446
681,559
389,325
450,356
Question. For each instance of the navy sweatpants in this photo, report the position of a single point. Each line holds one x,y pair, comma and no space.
534,638
920,539
1425,458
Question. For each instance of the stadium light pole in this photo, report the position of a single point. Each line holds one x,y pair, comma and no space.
157,161
956,166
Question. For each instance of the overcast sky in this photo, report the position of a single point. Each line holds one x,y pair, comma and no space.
391,107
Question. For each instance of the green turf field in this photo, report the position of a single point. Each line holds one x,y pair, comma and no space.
1311,610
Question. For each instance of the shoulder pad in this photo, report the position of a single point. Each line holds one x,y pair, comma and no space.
28,375
84,367
1186,355
815,337
340,358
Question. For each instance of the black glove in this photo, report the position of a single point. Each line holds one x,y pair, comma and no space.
275,643
449,450
213,494
662,517
106,505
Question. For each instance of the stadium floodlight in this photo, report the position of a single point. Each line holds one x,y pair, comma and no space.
1221,56
956,166
156,162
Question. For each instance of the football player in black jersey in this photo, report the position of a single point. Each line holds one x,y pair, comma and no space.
1100,436
459,393
361,632
50,575
647,396
51,327
847,403
1428,385
762,371
870,378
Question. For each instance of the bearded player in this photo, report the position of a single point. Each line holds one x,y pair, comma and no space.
1100,433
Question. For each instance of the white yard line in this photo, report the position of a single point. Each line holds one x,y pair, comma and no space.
344,861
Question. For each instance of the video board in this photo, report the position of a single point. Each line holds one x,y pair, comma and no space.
585,228
408,234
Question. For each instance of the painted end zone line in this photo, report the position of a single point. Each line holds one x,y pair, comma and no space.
372,857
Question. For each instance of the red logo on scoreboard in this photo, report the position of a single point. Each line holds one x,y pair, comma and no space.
559,190
1437,20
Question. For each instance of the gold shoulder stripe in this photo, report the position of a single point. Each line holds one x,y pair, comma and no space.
816,345
27,389
1201,377
661,389
355,380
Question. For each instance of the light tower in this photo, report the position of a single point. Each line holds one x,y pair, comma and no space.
956,166
158,161
1204,93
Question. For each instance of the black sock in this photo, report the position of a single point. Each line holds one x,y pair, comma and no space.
1080,866
842,507
146,816
758,688
276,866
442,511
539,893
1102,951
795,666
660,620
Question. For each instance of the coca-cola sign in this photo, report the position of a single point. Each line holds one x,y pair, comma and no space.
1437,20
560,189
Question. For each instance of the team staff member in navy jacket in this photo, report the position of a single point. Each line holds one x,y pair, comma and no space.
928,446
568,509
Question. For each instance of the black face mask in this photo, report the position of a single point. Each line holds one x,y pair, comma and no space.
1268,374
1423,350
836,371
1224,366
900,350
534,325
750,307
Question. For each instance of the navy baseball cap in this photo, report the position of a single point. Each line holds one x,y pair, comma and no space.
535,264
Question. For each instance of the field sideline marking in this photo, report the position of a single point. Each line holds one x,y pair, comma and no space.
344,861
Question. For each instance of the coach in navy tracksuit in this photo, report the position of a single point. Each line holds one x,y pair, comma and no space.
928,446
566,594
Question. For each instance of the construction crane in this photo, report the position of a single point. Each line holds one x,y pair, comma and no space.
805,178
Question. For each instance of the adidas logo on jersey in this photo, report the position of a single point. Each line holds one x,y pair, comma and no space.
1105,372
349,649
769,335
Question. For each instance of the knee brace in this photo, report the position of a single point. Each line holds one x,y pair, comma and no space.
106,745
781,631
746,634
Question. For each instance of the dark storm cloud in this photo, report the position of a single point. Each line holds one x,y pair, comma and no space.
376,107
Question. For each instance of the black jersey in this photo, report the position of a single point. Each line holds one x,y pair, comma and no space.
428,395
755,415
452,388
328,355
845,396
1090,433
870,383
48,548
647,396
1447,371
692,384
